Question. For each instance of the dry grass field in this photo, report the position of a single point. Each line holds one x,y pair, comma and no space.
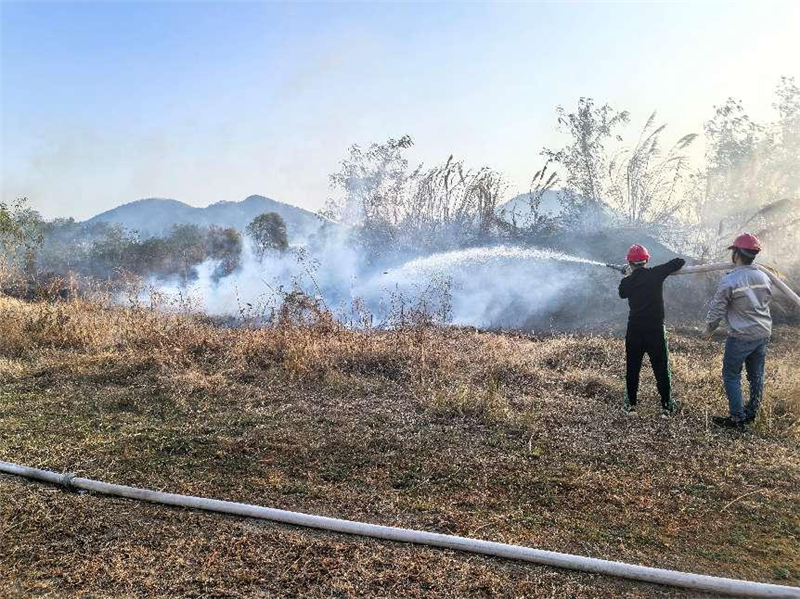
496,436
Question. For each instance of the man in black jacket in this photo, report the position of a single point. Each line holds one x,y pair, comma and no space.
643,288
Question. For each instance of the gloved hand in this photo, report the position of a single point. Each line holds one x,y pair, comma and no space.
708,334
626,270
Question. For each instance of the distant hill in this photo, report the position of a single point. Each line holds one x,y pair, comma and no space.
518,208
155,216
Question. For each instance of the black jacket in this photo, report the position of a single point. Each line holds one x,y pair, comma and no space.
643,289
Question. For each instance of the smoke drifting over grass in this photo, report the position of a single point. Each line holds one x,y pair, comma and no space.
484,287
500,285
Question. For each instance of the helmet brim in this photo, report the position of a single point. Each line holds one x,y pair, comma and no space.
745,250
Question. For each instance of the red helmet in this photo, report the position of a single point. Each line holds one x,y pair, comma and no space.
638,253
747,242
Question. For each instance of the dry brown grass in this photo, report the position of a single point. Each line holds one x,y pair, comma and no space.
501,437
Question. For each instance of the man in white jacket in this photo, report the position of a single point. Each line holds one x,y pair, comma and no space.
742,300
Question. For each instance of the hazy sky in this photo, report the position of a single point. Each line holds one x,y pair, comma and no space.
106,103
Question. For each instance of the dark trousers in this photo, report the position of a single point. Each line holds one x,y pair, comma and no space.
652,342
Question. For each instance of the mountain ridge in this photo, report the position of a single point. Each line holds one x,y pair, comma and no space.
156,216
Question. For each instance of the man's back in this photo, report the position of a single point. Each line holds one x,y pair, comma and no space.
643,289
743,299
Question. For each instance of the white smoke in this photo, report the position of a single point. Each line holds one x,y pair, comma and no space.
482,287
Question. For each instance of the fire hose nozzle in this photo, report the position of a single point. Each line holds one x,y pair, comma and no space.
620,269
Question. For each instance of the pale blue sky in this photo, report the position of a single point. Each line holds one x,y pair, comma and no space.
106,103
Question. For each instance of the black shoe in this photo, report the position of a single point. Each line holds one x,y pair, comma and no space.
727,422
749,419
673,407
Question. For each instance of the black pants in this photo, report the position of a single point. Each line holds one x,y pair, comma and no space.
652,342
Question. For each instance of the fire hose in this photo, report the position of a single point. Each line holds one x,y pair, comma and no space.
688,270
698,582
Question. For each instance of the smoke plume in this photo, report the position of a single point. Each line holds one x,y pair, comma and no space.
498,286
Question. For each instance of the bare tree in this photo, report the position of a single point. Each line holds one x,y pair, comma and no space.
370,184
583,160
389,206
752,174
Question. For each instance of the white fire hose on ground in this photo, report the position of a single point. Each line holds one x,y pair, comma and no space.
697,582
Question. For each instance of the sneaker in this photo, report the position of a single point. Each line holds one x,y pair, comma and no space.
727,422
672,408
629,409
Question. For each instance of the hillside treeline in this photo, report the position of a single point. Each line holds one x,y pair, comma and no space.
35,249
101,250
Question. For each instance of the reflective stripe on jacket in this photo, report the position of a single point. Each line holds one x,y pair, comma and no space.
742,299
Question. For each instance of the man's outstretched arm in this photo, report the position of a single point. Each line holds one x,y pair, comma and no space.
666,269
